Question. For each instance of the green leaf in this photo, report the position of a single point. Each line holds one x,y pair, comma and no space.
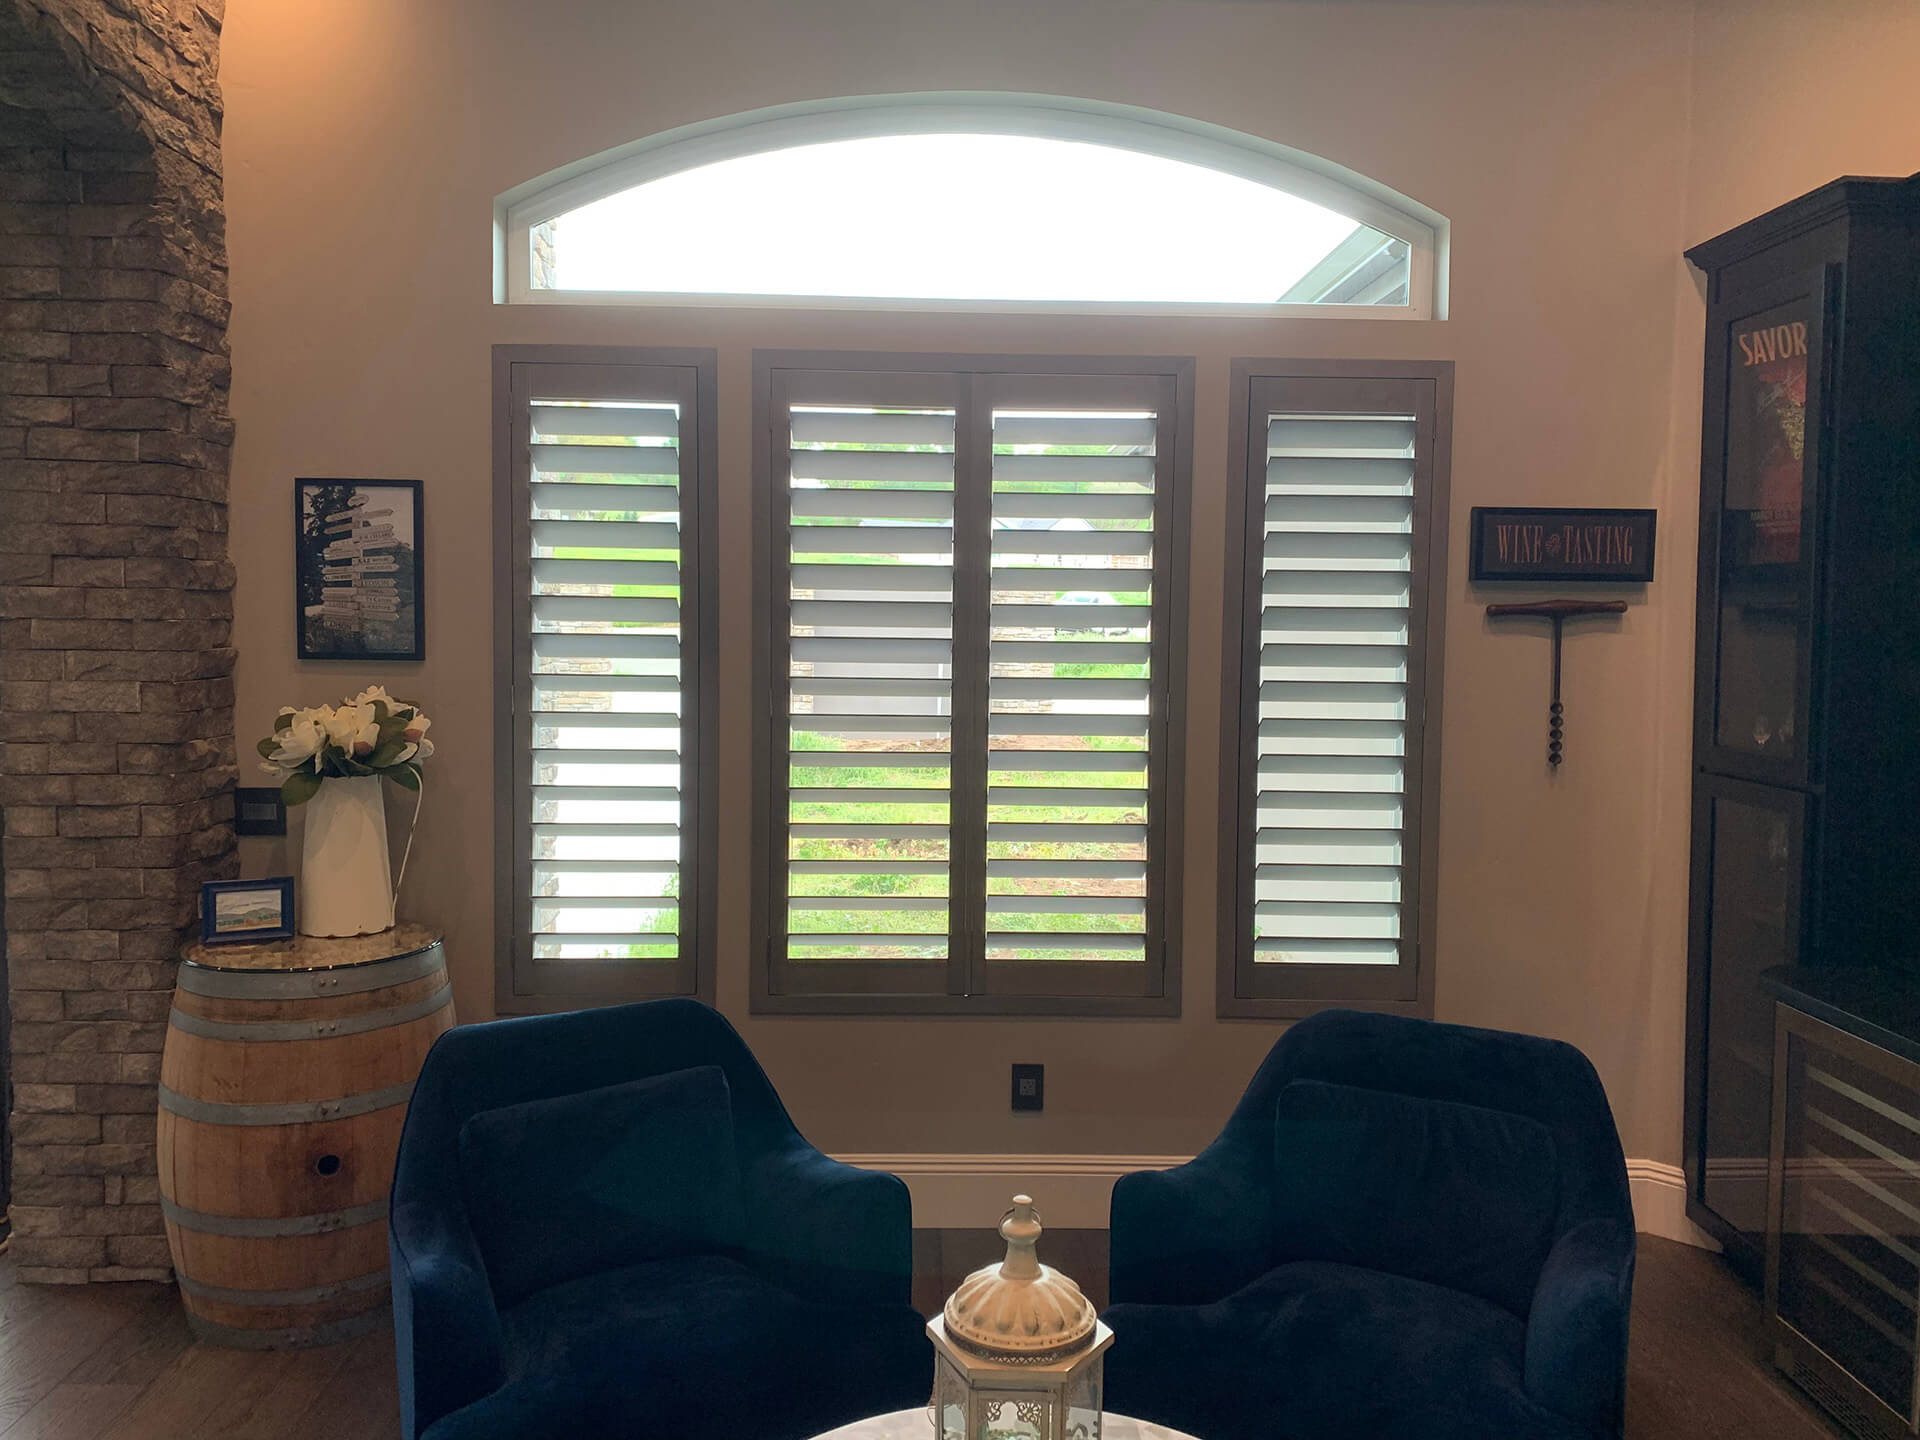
385,753
406,776
299,787
282,722
379,712
267,747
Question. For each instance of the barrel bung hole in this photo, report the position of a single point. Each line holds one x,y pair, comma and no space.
327,1165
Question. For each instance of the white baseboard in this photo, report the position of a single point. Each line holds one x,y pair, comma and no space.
966,1192
1660,1203
1073,1192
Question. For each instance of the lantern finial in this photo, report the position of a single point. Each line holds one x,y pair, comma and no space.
1020,1227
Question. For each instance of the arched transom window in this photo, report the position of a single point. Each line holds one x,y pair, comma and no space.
944,202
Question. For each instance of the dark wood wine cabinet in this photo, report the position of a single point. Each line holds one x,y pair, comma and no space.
1806,823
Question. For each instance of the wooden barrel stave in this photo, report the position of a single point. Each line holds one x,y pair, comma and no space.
278,1222
293,1263
287,1072
243,1170
223,1010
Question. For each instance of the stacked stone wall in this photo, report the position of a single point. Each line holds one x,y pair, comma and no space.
116,692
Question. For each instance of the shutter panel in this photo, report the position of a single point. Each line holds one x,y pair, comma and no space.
1330,783
868,695
1069,683
606,677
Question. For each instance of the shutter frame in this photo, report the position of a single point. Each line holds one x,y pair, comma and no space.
684,378
1308,609
967,984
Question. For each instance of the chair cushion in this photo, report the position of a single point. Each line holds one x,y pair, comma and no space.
1458,1195
561,1188
1319,1351
699,1348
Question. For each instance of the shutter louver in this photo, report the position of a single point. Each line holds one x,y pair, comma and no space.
606,680
1069,685
869,689
1329,790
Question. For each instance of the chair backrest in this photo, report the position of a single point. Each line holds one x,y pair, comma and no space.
1543,1081
539,1057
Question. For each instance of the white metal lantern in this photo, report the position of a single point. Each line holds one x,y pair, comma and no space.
1018,1349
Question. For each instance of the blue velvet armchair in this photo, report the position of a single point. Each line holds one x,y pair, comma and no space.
604,1223
1405,1229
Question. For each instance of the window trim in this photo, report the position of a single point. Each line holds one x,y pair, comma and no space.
769,639
693,974
1175,137
1235,995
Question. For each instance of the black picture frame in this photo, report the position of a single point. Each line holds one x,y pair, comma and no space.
280,891
383,613
1623,556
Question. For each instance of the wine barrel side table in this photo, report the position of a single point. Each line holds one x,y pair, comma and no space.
283,1087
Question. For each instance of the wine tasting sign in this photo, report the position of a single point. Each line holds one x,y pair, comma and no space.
1536,543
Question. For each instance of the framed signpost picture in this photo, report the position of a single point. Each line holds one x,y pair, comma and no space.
359,591
1522,542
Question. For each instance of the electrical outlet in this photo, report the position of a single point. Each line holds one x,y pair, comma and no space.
1029,1087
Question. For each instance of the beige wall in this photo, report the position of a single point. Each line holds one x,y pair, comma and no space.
366,140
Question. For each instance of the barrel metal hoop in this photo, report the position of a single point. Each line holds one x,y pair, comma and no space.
313,1295
309,984
272,1227
267,1031
298,1337
300,1112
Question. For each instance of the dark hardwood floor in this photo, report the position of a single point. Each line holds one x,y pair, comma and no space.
116,1362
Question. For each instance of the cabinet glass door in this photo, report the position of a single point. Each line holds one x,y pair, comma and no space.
1747,852
1763,519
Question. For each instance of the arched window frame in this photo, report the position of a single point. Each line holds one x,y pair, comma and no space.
518,212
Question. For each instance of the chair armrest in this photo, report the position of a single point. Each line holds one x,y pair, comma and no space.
830,1231
1190,1235
446,1329
1577,1329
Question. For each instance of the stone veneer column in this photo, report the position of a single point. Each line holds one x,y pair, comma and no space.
116,722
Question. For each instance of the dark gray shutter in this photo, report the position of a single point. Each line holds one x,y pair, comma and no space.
603,686
1344,496
969,665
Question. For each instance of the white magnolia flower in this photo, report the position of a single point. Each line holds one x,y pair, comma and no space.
345,723
373,693
299,742
417,727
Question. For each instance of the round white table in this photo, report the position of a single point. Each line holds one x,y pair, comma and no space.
916,1425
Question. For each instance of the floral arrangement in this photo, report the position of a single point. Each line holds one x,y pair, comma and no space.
370,734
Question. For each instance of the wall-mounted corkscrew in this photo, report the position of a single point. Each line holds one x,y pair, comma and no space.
1559,612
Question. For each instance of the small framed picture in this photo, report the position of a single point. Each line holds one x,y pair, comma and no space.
358,580
246,912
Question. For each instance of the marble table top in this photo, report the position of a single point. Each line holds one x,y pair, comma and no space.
918,1425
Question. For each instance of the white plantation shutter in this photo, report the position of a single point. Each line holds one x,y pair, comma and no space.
868,694
1069,686
1332,743
603,686
972,577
